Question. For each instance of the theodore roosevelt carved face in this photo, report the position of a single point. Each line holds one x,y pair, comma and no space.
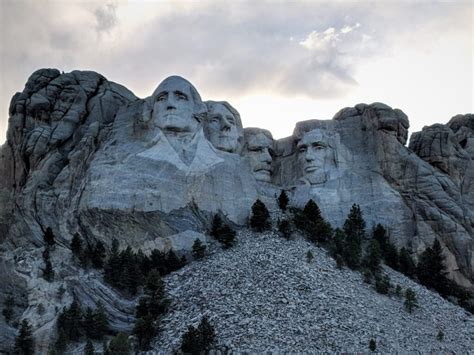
258,150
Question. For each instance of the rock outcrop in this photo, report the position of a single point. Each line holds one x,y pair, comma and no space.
84,155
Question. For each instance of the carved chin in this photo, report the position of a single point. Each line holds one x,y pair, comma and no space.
316,178
227,147
263,175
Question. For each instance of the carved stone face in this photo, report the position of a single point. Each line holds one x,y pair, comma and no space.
221,129
315,156
258,153
174,106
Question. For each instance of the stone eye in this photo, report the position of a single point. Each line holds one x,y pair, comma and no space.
161,97
181,96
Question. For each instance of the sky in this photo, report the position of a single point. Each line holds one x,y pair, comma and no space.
276,62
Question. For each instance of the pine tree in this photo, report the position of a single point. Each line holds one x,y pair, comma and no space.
216,226
7,311
96,324
198,340
260,218
130,276
391,256
372,345
207,332
89,348
69,321
119,345
354,230
88,323
199,249
382,284
48,237
153,282
284,229
309,256
227,237
155,302
76,245
113,267
283,200
373,257
145,330
440,335
222,232
158,261
61,342
101,322
431,270
406,264
310,222
48,272
190,342
398,291
337,245
379,233
98,255
173,263
411,301
24,344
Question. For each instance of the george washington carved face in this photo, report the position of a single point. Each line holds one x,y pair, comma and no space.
176,106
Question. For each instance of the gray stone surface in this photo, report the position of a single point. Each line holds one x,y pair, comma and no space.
85,155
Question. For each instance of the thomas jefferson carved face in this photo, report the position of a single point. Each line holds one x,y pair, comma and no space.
258,149
176,104
315,155
223,127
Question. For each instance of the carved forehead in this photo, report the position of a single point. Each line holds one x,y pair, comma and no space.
315,136
259,140
212,106
177,83
221,110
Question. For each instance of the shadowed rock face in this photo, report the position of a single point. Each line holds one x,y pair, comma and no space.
84,155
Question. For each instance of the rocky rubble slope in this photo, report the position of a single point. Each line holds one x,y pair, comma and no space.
263,296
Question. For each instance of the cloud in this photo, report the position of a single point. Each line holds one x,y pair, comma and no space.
291,49
106,17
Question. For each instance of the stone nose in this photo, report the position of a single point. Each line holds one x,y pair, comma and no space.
170,102
225,124
266,156
309,155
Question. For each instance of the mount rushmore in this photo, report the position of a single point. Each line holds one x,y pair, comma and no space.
84,155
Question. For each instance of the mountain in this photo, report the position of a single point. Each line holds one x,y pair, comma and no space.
85,157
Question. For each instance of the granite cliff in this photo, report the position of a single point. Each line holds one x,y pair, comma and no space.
86,156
